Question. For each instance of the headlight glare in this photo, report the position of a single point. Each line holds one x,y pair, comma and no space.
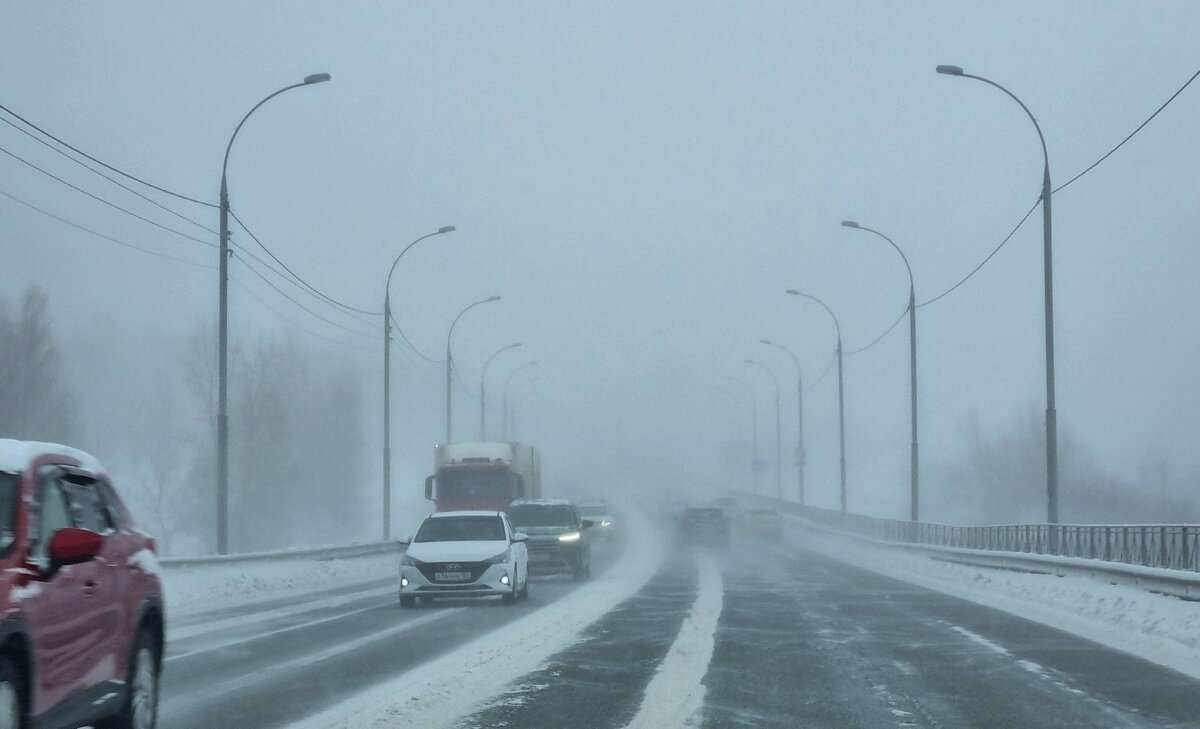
569,537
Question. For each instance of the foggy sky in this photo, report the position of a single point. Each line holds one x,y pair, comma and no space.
641,184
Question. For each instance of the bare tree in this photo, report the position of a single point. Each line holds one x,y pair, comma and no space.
35,401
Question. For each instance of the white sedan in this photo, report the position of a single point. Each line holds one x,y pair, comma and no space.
465,554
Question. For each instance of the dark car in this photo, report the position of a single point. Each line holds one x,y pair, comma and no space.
558,539
81,637
703,526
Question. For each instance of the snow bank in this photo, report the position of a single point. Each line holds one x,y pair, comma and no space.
1158,628
205,587
442,691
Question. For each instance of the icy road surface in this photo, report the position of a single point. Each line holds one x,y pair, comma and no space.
274,662
805,641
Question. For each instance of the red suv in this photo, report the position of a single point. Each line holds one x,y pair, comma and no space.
81,610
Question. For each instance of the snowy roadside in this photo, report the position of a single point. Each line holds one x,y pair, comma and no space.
444,690
1158,628
207,587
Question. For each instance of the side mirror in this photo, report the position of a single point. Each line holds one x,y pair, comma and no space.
73,546
429,487
588,523
520,537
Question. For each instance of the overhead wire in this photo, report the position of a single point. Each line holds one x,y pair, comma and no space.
116,182
246,289
284,294
1086,170
113,205
307,285
121,172
98,234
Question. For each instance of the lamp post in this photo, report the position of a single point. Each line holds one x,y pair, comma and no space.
778,429
450,362
841,392
483,389
914,463
1048,283
223,328
753,429
507,384
800,455
387,383
511,425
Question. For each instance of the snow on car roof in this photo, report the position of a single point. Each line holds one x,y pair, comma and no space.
542,502
16,455
441,514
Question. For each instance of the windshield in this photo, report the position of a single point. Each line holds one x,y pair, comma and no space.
540,515
475,483
9,485
462,529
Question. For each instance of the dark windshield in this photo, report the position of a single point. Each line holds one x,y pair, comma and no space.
8,504
462,529
475,483
593,511
541,515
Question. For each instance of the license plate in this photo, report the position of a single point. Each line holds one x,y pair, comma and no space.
452,576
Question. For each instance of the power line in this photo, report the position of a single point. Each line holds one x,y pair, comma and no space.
412,346
112,205
1086,170
116,182
246,289
294,275
879,339
280,291
1131,134
30,124
109,238
824,373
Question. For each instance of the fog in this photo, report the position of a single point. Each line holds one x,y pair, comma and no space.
640,185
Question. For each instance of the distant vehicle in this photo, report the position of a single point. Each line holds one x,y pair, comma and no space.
761,522
483,476
558,538
465,554
727,504
604,523
81,637
703,526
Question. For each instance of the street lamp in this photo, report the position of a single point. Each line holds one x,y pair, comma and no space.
914,479
223,328
841,391
387,383
800,456
511,425
450,361
483,390
753,429
1048,282
778,430
507,383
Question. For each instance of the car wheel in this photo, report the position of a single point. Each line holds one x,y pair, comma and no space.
140,710
525,588
10,696
407,601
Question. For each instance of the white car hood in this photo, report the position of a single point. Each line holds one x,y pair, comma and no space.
455,551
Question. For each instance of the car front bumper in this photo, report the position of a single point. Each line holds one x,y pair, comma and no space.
496,580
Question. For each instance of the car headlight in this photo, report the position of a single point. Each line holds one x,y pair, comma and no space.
569,537
407,561
500,558
605,523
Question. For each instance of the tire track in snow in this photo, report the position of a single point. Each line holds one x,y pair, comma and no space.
675,695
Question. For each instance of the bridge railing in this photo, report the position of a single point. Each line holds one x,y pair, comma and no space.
1167,546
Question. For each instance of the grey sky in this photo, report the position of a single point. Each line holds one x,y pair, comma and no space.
641,183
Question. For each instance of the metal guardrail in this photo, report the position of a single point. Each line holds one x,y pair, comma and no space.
319,553
1161,546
